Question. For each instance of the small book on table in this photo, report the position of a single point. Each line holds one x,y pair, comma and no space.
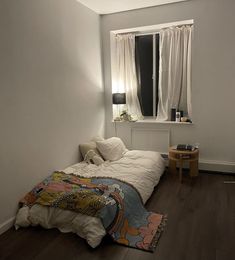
185,147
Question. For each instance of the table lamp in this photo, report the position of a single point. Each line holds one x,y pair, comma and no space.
119,99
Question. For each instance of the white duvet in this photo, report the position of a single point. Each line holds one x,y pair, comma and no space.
142,169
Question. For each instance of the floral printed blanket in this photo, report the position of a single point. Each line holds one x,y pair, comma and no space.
117,203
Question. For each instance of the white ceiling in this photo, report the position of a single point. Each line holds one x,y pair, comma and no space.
114,6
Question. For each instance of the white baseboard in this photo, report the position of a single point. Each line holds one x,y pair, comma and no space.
217,166
6,225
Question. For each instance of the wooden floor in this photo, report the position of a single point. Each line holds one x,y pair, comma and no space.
201,226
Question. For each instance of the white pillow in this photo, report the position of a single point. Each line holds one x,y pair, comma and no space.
97,138
111,149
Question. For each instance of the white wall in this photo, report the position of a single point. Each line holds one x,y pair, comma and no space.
213,76
51,94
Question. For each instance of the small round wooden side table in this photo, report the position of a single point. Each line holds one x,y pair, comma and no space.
178,156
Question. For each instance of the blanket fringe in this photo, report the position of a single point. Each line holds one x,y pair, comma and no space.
159,231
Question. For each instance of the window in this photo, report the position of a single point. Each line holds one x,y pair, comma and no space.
147,67
152,65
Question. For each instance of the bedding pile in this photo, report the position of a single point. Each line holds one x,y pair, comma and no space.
141,170
117,203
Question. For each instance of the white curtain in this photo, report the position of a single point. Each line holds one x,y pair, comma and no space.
126,71
175,71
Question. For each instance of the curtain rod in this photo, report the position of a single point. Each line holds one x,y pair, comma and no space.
156,32
143,34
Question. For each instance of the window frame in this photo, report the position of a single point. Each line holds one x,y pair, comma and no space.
143,30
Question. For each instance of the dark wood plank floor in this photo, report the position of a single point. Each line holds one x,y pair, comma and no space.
201,226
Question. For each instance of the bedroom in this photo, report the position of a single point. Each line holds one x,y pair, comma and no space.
56,93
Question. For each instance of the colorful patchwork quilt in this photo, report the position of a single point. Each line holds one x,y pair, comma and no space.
115,202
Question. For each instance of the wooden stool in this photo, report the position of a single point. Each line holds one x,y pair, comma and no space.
181,157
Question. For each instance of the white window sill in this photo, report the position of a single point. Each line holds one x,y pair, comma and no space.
153,121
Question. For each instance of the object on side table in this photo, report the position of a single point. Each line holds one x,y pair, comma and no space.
185,147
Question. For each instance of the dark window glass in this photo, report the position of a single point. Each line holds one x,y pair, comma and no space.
157,68
144,67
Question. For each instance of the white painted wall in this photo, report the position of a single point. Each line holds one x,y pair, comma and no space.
213,76
51,94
